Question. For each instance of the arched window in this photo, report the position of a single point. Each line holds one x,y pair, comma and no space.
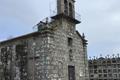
66,7
70,10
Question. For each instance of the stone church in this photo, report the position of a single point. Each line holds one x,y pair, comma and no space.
56,51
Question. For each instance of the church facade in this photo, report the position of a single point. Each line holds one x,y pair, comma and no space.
55,52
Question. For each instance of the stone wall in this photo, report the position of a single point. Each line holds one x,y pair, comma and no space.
61,52
48,54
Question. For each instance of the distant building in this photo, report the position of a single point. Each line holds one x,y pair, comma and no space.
104,68
55,52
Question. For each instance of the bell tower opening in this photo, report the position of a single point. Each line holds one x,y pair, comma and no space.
66,7
70,10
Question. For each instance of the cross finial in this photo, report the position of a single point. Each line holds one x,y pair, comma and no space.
100,55
83,35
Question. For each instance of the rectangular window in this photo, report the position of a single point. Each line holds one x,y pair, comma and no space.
91,75
70,41
119,75
104,70
119,70
114,70
105,75
100,75
95,71
109,75
118,65
71,72
100,71
115,75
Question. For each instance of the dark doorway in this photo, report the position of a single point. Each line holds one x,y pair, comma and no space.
71,72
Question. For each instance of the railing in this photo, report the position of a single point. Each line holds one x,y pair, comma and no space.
77,16
47,20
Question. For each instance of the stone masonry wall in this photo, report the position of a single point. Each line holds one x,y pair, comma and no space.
49,55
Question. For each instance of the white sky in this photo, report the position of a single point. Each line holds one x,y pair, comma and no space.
100,21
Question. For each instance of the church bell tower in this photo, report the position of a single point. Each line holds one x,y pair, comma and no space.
66,9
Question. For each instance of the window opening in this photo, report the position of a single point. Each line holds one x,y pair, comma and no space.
70,41
66,7
70,10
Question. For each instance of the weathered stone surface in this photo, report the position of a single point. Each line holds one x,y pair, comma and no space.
55,52
45,56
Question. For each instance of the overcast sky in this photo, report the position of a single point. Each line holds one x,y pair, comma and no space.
100,21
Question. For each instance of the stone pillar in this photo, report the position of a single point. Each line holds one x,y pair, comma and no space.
85,58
